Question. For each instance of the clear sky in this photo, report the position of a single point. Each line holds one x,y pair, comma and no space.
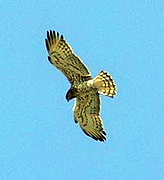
38,137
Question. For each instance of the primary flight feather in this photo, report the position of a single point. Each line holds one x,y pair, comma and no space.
85,89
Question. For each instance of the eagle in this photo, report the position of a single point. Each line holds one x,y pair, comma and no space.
85,89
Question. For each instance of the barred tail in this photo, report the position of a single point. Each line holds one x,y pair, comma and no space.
105,84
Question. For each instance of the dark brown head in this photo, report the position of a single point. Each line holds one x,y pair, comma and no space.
70,94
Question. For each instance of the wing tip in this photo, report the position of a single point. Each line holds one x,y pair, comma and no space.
62,37
53,32
47,46
99,136
52,35
51,38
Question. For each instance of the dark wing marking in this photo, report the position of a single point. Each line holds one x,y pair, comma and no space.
87,113
62,56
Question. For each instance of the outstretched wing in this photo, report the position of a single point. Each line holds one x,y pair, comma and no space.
87,114
62,56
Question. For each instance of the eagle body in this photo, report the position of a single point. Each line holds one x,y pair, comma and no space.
82,88
85,89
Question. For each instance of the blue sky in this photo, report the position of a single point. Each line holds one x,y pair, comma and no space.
38,137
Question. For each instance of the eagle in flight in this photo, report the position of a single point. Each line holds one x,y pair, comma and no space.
85,89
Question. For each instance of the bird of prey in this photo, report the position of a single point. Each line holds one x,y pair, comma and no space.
85,89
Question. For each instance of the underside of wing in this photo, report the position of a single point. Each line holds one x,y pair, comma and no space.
62,56
87,114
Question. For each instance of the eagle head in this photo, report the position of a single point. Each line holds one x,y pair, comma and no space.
70,94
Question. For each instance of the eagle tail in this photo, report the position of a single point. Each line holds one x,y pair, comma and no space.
105,84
